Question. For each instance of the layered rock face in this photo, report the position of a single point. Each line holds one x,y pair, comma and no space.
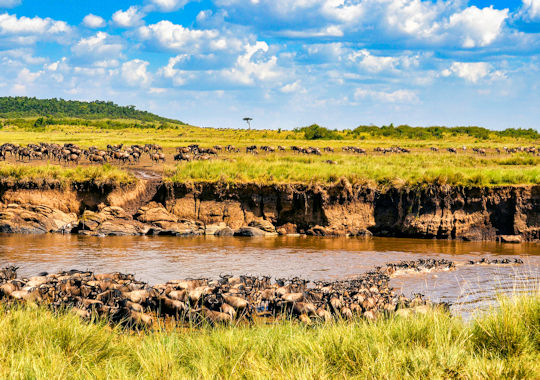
505,213
31,219
151,219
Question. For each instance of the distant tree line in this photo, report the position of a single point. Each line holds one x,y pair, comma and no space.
316,132
21,112
41,123
20,106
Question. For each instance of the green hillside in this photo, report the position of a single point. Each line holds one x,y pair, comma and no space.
20,106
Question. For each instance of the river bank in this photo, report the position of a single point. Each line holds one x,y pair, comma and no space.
154,207
500,344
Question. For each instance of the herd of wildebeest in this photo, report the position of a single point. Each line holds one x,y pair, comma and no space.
123,154
121,299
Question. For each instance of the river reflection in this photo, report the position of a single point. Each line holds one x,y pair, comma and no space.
158,259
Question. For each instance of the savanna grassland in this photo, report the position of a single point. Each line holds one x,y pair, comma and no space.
502,343
26,120
420,166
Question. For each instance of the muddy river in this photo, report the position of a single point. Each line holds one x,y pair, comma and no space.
158,259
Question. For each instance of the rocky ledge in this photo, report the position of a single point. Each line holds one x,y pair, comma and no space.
151,219
509,214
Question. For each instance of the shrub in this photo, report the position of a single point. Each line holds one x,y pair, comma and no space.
316,132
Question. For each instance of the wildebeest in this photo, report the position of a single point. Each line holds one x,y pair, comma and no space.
157,157
122,299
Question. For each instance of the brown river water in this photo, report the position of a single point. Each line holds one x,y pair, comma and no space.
159,259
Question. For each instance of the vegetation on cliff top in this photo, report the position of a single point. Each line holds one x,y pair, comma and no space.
404,169
50,174
504,343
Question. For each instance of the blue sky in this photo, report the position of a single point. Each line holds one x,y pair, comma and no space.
285,63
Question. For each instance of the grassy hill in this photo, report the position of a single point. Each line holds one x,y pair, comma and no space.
20,106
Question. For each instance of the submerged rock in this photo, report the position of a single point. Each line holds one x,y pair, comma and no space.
509,238
287,229
318,231
249,232
263,224
212,229
227,231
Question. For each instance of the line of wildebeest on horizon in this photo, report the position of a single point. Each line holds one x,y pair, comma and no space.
122,299
125,154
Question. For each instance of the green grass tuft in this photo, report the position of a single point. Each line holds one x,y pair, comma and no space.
49,174
504,343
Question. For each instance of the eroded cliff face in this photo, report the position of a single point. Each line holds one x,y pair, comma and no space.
508,213
445,212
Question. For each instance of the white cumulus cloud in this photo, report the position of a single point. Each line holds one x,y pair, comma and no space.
373,63
93,21
292,87
444,22
97,46
413,17
440,22
470,71
131,17
25,78
178,77
175,37
478,27
135,74
367,61
27,30
531,9
15,56
250,66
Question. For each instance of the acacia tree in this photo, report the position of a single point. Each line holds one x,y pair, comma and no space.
248,121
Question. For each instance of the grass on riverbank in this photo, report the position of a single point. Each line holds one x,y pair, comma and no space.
505,343
48,174
410,169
